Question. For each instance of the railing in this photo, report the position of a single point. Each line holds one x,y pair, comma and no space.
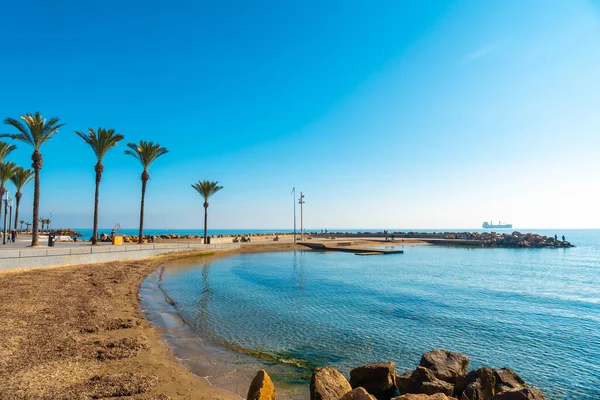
71,251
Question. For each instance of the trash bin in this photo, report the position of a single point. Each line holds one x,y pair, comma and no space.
51,238
207,240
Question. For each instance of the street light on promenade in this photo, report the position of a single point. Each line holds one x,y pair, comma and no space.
301,202
5,212
294,201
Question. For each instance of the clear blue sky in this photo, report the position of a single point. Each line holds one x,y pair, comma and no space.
387,114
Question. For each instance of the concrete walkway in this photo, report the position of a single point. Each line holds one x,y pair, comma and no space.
20,255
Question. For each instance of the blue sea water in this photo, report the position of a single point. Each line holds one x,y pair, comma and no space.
534,310
87,232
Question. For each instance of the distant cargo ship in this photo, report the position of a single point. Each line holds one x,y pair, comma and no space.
488,225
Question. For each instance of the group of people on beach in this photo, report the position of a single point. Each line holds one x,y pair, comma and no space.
11,236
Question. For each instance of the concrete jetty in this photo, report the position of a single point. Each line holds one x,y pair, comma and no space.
348,247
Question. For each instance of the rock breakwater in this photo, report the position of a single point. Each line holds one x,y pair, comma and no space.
485,239
440,375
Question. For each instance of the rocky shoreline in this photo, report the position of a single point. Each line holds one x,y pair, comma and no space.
479,239
441,375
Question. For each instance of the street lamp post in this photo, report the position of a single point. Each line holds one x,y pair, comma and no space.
10,204
301,202
5,212
294,201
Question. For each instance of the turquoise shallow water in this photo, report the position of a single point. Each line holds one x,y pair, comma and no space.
534,310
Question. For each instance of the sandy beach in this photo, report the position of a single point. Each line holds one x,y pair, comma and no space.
79,332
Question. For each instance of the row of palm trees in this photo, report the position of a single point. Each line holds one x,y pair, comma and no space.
34,130
17,175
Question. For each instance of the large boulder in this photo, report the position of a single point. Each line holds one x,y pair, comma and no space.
481,385
423,381
530,393
446,365
437,396
376,378
328,384
404,382
261,388
358,394
507,379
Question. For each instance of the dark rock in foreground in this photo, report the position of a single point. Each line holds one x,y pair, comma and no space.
423,381
441,375
530,393
446,365
328,384
357,394
261,388
437,396
376,378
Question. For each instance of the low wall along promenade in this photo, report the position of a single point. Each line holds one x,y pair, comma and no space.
57,256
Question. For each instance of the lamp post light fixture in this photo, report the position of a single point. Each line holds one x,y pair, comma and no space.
301,202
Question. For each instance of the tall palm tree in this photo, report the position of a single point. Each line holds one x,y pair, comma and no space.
100,142
20,178
7,170
35,131
145,153
5,148
206,189
43,222
27,225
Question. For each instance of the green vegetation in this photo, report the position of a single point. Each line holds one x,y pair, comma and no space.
206,190
20,178
34,130
100,142
7,170
145,153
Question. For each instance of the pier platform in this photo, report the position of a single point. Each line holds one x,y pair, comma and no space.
348,247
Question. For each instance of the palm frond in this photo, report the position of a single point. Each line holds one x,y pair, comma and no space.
145,152
21,177
5,149
207,188
101,140
7,170
33,129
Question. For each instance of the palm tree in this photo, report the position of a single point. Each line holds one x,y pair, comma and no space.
206,189
43,222
27,225
22,222
20,178
145,153
100,142
35,131
7,170
5,148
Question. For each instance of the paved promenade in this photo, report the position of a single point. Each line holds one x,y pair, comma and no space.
20,255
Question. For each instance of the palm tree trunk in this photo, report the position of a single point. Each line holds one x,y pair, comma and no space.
99,168
145,178
18,196
205,221
37,166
